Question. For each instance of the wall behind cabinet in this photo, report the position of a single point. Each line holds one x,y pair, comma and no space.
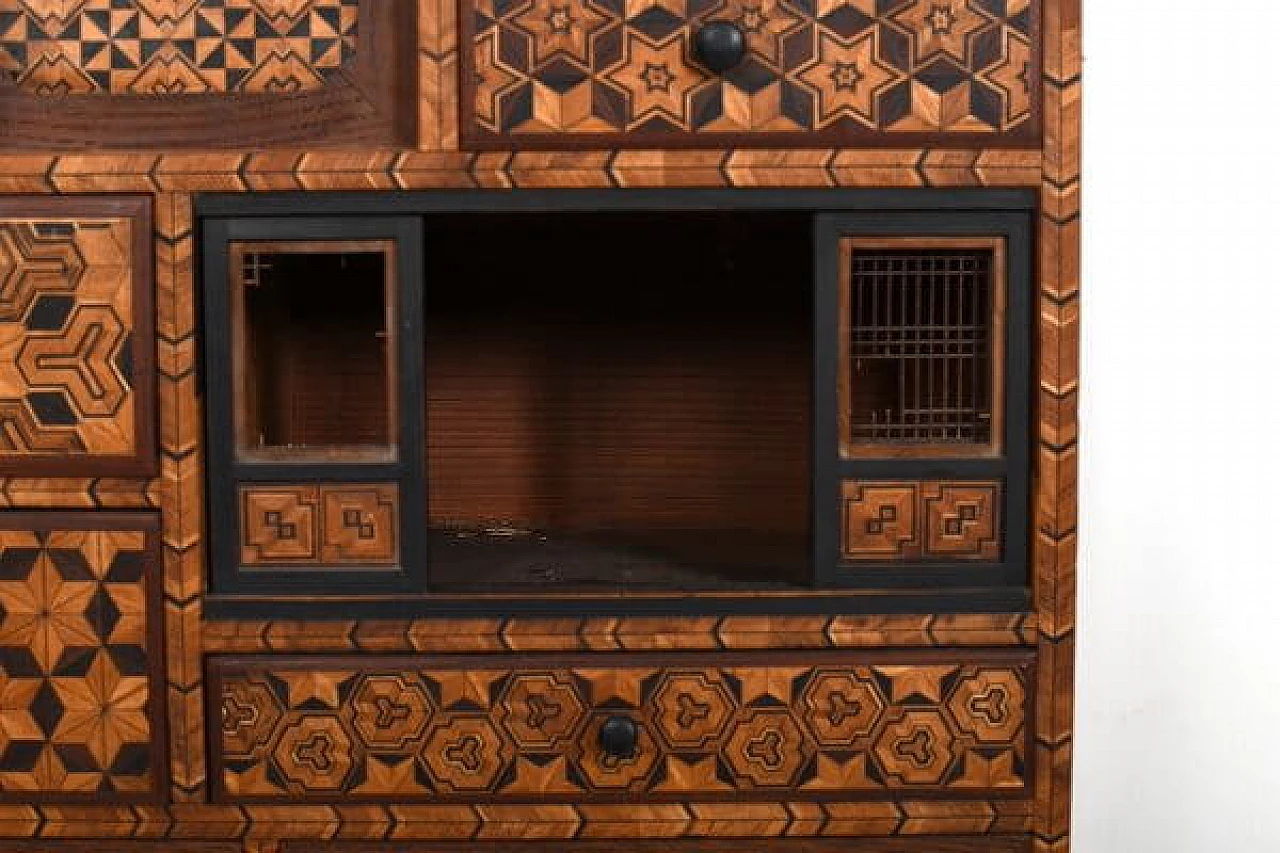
1179,687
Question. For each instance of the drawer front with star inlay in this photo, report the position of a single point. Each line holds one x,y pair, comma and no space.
81,659
837,72
880,725
76,342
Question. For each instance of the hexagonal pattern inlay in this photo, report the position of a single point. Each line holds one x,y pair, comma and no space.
250,713
768,748
841,707
314,753
482,732
989,705
916,748
541,711
466,754
692,709
69,317
390,711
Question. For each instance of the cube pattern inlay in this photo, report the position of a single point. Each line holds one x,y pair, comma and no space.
848,69
76,665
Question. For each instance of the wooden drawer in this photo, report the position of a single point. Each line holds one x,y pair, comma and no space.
542,72
76,336
885,521
205,73
82,702
874,725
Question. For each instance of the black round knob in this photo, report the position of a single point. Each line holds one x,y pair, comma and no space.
618,736
719,45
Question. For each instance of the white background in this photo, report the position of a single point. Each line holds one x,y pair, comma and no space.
1178,717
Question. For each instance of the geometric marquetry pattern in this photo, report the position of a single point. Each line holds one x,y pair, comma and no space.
318,525
175,47
66,342
291,731
75,664
841,68
961,520
923,520
172,176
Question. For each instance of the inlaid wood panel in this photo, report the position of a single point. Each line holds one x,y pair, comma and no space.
548,72
317,729
54,48
80,707
920,520
177,69
76,341
318,525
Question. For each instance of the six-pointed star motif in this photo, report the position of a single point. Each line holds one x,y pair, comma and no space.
656,77
847,77
560,26
941,26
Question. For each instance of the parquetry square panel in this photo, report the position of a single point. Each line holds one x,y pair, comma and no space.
80,658
76,341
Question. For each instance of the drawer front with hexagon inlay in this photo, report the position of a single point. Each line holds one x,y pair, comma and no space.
76,342
873,725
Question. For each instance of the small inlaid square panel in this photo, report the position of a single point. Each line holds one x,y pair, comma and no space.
53,48
205,73
76,343
905,521
555,72
80,658
313,526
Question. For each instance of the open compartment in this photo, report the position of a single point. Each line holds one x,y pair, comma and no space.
313,325
618,399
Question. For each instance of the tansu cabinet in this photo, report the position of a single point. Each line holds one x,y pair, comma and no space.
467,425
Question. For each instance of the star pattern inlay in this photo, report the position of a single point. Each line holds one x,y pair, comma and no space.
47,613
847,78
560,26
104,709
941,26
656,77
569,68
764,23
77,681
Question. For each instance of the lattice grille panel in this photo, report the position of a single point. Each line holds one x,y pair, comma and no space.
921,332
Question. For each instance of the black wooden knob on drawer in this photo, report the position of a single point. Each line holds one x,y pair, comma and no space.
719,45
618,737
